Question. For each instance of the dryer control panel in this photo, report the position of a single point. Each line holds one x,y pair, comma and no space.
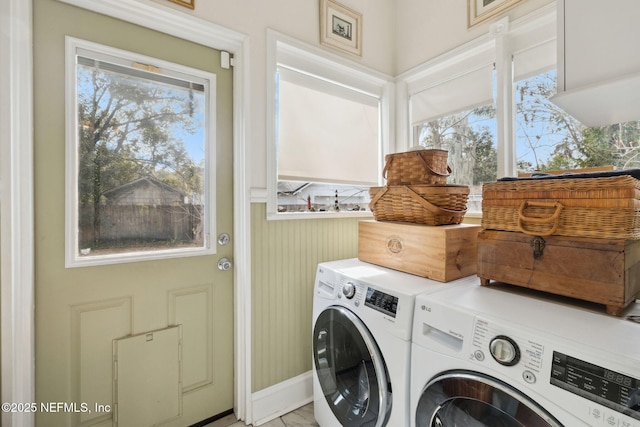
383,302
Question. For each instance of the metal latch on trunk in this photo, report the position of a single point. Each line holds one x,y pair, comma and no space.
538,244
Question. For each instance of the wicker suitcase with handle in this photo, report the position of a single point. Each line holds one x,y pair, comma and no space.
605,205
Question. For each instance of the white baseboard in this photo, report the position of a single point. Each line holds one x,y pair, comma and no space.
284,397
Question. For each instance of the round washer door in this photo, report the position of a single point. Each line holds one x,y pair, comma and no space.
471,399
350,369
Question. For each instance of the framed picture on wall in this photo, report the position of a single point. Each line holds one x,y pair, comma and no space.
340,27
481,10
191,4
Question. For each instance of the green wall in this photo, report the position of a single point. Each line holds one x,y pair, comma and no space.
285,254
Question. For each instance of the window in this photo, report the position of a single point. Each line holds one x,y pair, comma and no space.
139,157
548,138
523,131
452,108
470,139
328,134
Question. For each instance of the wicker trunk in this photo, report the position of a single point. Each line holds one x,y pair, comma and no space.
604,271
604,207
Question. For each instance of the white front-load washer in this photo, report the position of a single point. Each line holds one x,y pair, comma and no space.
362,325
504,356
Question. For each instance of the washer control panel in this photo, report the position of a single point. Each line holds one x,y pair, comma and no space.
609,388
615,396
505,349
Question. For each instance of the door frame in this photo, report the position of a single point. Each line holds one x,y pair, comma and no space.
16,196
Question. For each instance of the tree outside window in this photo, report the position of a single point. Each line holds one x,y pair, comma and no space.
548,138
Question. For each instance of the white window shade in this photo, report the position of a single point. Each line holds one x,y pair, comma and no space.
534,61
462,93
326,132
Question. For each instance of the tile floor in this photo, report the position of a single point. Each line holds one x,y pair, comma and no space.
302,417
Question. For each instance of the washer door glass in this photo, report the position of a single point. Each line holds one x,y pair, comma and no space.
470,399
350,369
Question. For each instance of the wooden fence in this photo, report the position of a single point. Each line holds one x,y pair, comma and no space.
142,223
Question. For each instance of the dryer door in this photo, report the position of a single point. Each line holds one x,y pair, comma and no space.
350,369
471,399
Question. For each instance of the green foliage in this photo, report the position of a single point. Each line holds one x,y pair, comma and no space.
130,128
471,144
542,126
547,138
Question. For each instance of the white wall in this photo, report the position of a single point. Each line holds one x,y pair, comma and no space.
428,28
299,19
397,35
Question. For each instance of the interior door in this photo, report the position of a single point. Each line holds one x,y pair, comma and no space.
85,315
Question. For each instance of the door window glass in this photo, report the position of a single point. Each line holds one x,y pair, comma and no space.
139,157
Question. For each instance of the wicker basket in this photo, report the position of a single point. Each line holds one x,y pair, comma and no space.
420,204
606,208
417,167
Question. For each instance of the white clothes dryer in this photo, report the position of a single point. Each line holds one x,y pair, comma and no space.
362,325
504,356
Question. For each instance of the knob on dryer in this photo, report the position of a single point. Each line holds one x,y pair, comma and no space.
504,350
349,290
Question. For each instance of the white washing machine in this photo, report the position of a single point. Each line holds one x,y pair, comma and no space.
362,324
505,356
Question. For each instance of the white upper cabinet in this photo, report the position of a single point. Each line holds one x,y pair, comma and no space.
598,65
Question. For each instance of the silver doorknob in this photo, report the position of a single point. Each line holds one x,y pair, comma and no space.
224,264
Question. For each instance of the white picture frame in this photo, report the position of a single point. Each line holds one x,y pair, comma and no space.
481,10
340,27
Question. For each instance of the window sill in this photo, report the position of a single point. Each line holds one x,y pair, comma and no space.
318,215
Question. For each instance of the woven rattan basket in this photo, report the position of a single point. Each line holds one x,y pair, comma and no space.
417,167
607,207
420,204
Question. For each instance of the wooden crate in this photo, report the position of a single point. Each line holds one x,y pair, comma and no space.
604,271
442,253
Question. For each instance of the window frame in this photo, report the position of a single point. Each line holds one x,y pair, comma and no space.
297,55
503,40
72,258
